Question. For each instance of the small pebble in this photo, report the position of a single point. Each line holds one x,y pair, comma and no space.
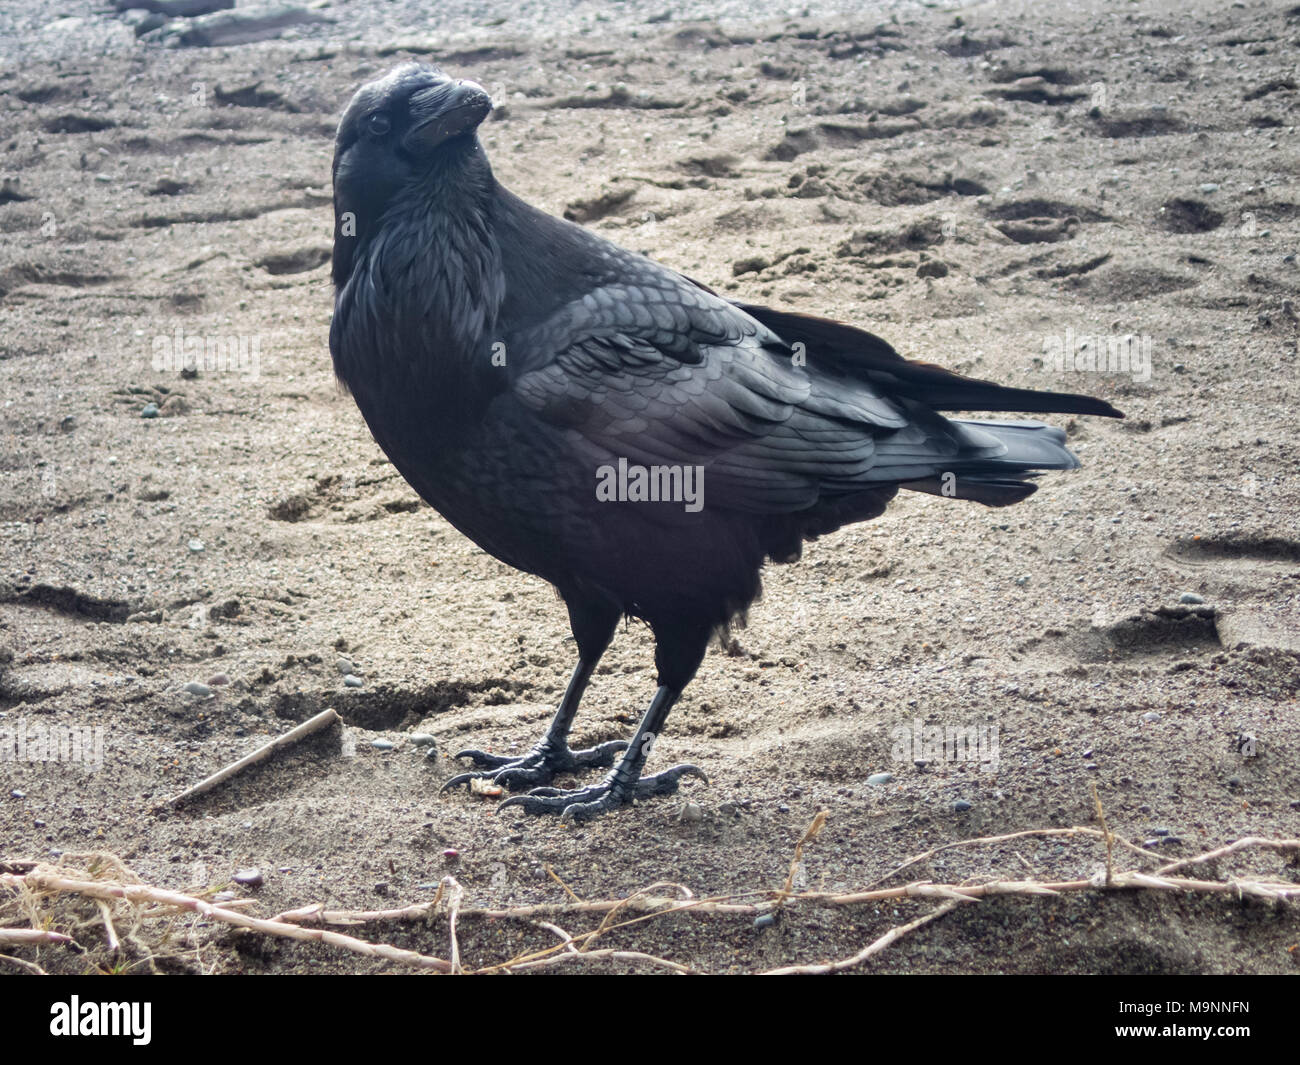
16,794
218,681
691,813
1234,782
195,545
1087,753
382,744
1190,598
765,920
1159,831
451,854
1022,581
961,806
421,739
345,665
352,681
1091,767
1209,187
249,877
195,688
149,410
880,778
225,896
1151,715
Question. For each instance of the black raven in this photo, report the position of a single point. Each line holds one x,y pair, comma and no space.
594,418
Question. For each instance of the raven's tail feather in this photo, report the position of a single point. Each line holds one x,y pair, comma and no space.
1027,448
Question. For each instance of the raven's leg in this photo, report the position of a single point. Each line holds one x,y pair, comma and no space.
678,652
593,627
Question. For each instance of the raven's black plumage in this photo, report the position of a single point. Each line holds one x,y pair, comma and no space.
503,358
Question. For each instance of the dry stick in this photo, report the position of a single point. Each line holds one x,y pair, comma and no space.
1123,881
875,947
606,923
1283,845
555,929
651,906
114,944
654,907
979,841
616,955
818,823
27,936
455,894
549,956
323,720
143,893
29,966
555,876
597,907
1101,816
588,938
316,912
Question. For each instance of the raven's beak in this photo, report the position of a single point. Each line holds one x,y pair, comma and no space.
444,111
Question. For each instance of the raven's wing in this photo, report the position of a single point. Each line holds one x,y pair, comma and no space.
840,348
659,372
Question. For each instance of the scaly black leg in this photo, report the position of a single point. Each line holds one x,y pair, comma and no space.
549,757
680,645
624,784
593,627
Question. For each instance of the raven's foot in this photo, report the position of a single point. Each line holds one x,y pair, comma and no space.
584,803
538,766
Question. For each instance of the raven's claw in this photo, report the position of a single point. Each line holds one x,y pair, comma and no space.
584,803
538,766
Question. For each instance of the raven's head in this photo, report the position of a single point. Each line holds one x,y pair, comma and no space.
400,131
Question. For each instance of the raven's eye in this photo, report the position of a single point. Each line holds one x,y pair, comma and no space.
378,124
